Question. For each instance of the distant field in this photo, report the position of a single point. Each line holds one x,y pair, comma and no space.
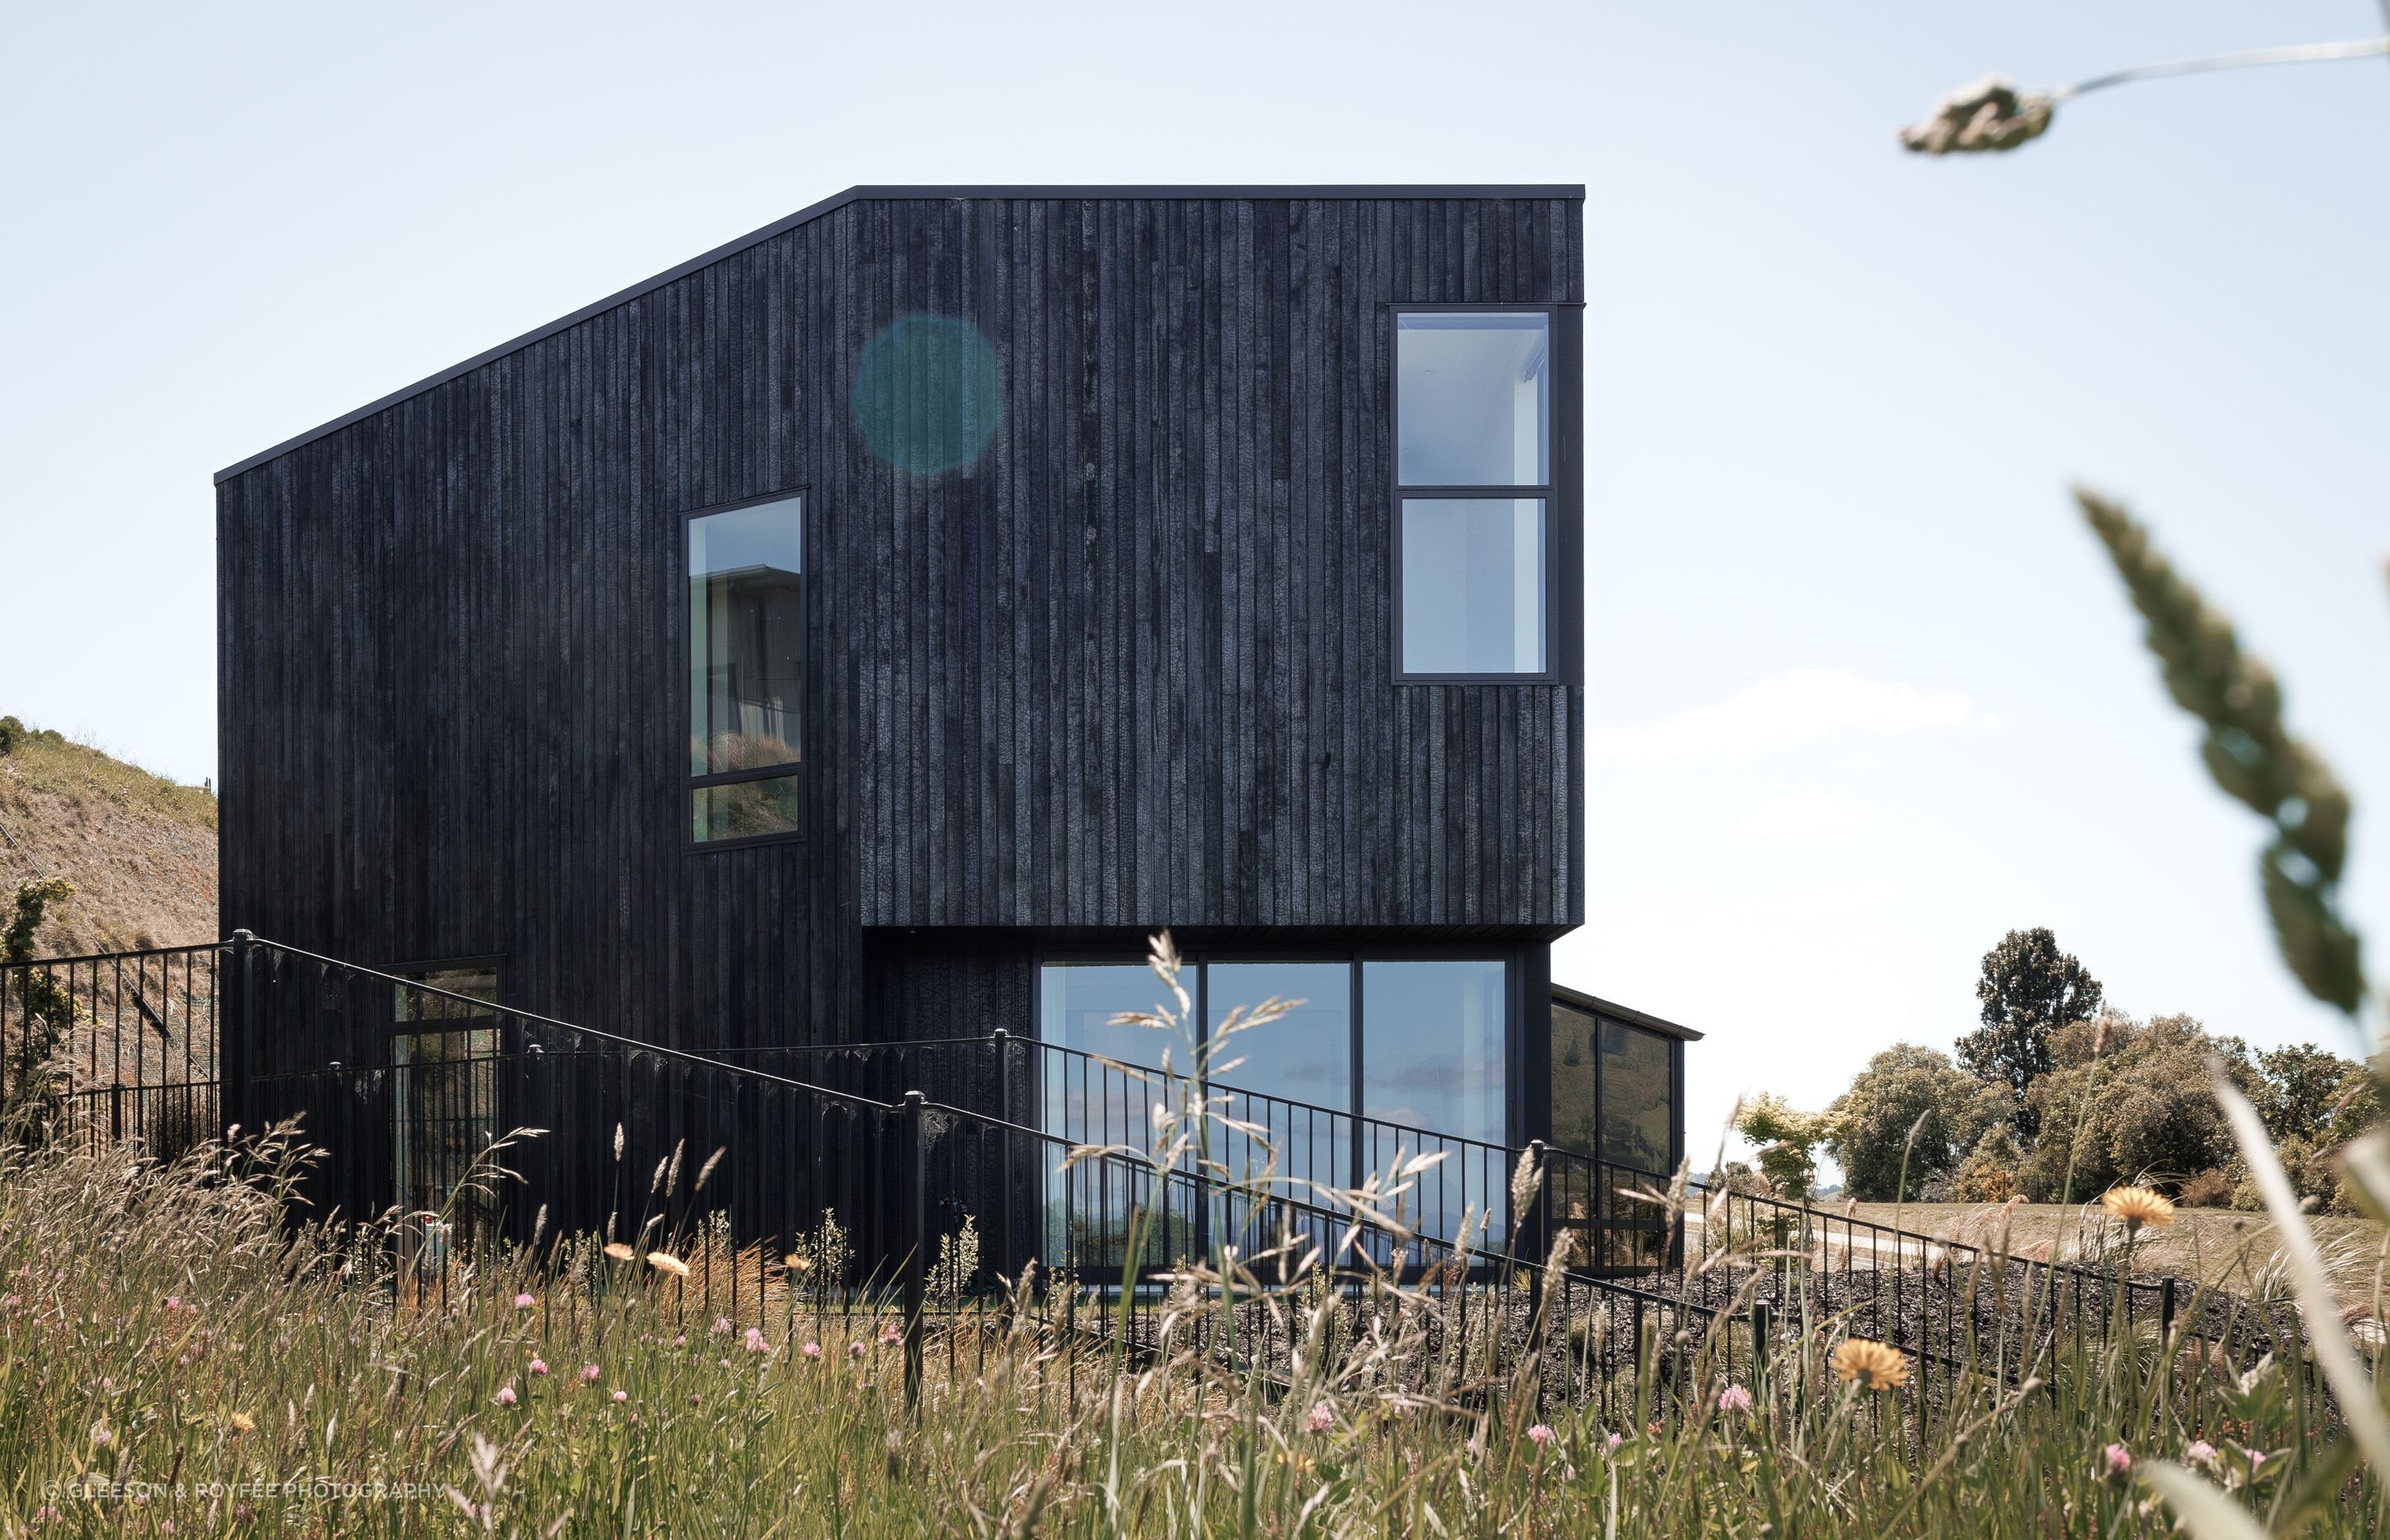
2206,1244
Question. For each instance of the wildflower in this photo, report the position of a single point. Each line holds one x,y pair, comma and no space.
2118,1460
620,1396
1321,1418
2256,1458
722,1326
1612,1443
1540,1436
589,1375
2136,1207
165,1526
810,1350
1296,1461
855,1350
617,1251
101,1435
524,1301
506,1395
173,1304
1734,1398
681,1341
539,1365
891,1332
664,1262
1874,1365
242,1422
2201,1452
724,1362
1474,1447
755,1342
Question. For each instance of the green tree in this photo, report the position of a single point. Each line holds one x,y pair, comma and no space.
2124,1101
1909,1086
2028,990
1788,1140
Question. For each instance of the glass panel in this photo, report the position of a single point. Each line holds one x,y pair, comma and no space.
746,637
444,1059
1637,1096
1432,1057
1577,1044
1473,585
1473,399
413,1004
743,809
1304,1056
1088,1208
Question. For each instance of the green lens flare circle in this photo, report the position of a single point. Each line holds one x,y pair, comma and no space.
928,394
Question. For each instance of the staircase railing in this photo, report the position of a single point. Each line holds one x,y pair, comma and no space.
115,1045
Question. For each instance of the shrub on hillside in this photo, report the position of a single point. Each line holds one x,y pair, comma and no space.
1907,1086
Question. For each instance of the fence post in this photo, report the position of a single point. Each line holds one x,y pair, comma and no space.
1762,1313
232,1046
2166,1313
914,1234
1005,1261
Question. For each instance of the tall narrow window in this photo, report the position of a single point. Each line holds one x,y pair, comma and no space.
746,671
1473,457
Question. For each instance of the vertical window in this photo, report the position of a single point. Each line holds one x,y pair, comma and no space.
1472,452
1433,1041
746,671
444,1056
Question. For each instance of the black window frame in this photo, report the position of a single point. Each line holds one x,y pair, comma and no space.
690,784
1561,405
1516,961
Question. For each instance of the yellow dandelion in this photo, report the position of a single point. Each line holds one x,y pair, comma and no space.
1295,1461
796,1264
618,1252
243,1423
664,1262
2138,1206
1873,1365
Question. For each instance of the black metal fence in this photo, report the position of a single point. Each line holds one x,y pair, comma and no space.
908,1181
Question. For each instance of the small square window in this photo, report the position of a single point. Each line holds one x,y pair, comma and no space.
1474,396
1474,584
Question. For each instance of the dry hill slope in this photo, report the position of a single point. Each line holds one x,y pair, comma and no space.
139,849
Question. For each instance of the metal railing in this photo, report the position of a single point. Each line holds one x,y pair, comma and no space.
833,1180
118,1046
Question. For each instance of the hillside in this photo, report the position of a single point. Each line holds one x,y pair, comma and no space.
139,849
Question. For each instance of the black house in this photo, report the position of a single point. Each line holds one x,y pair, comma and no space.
873,628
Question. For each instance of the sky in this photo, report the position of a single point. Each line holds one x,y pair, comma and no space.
1863,693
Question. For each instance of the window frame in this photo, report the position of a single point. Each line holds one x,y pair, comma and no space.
1559,524
1515,962
690,784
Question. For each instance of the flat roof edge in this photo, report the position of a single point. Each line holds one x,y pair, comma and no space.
1627,1014
1573,192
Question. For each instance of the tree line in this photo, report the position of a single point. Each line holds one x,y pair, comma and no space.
2057,1096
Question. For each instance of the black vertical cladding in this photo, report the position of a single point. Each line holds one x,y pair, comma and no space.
1129,669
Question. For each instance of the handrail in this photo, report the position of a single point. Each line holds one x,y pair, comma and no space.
1695,1187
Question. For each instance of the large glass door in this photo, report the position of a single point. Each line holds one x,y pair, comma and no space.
1434,1048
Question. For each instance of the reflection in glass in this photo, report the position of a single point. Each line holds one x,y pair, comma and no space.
1472,394
1432,1057
1304,1056
1576,1114
1473,585
444,1059
746,637
1083,1101
742,810
1636,1095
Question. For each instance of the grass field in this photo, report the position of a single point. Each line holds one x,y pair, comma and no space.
2226,1247
174,1359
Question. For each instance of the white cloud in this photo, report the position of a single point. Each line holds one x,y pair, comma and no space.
1801,816
1791,708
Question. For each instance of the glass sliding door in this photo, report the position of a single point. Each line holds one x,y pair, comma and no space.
1292,1078
1434,1044
1088,1101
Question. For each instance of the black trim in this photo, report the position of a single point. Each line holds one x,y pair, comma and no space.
1559,360
691,844
1397,192
1594,1005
